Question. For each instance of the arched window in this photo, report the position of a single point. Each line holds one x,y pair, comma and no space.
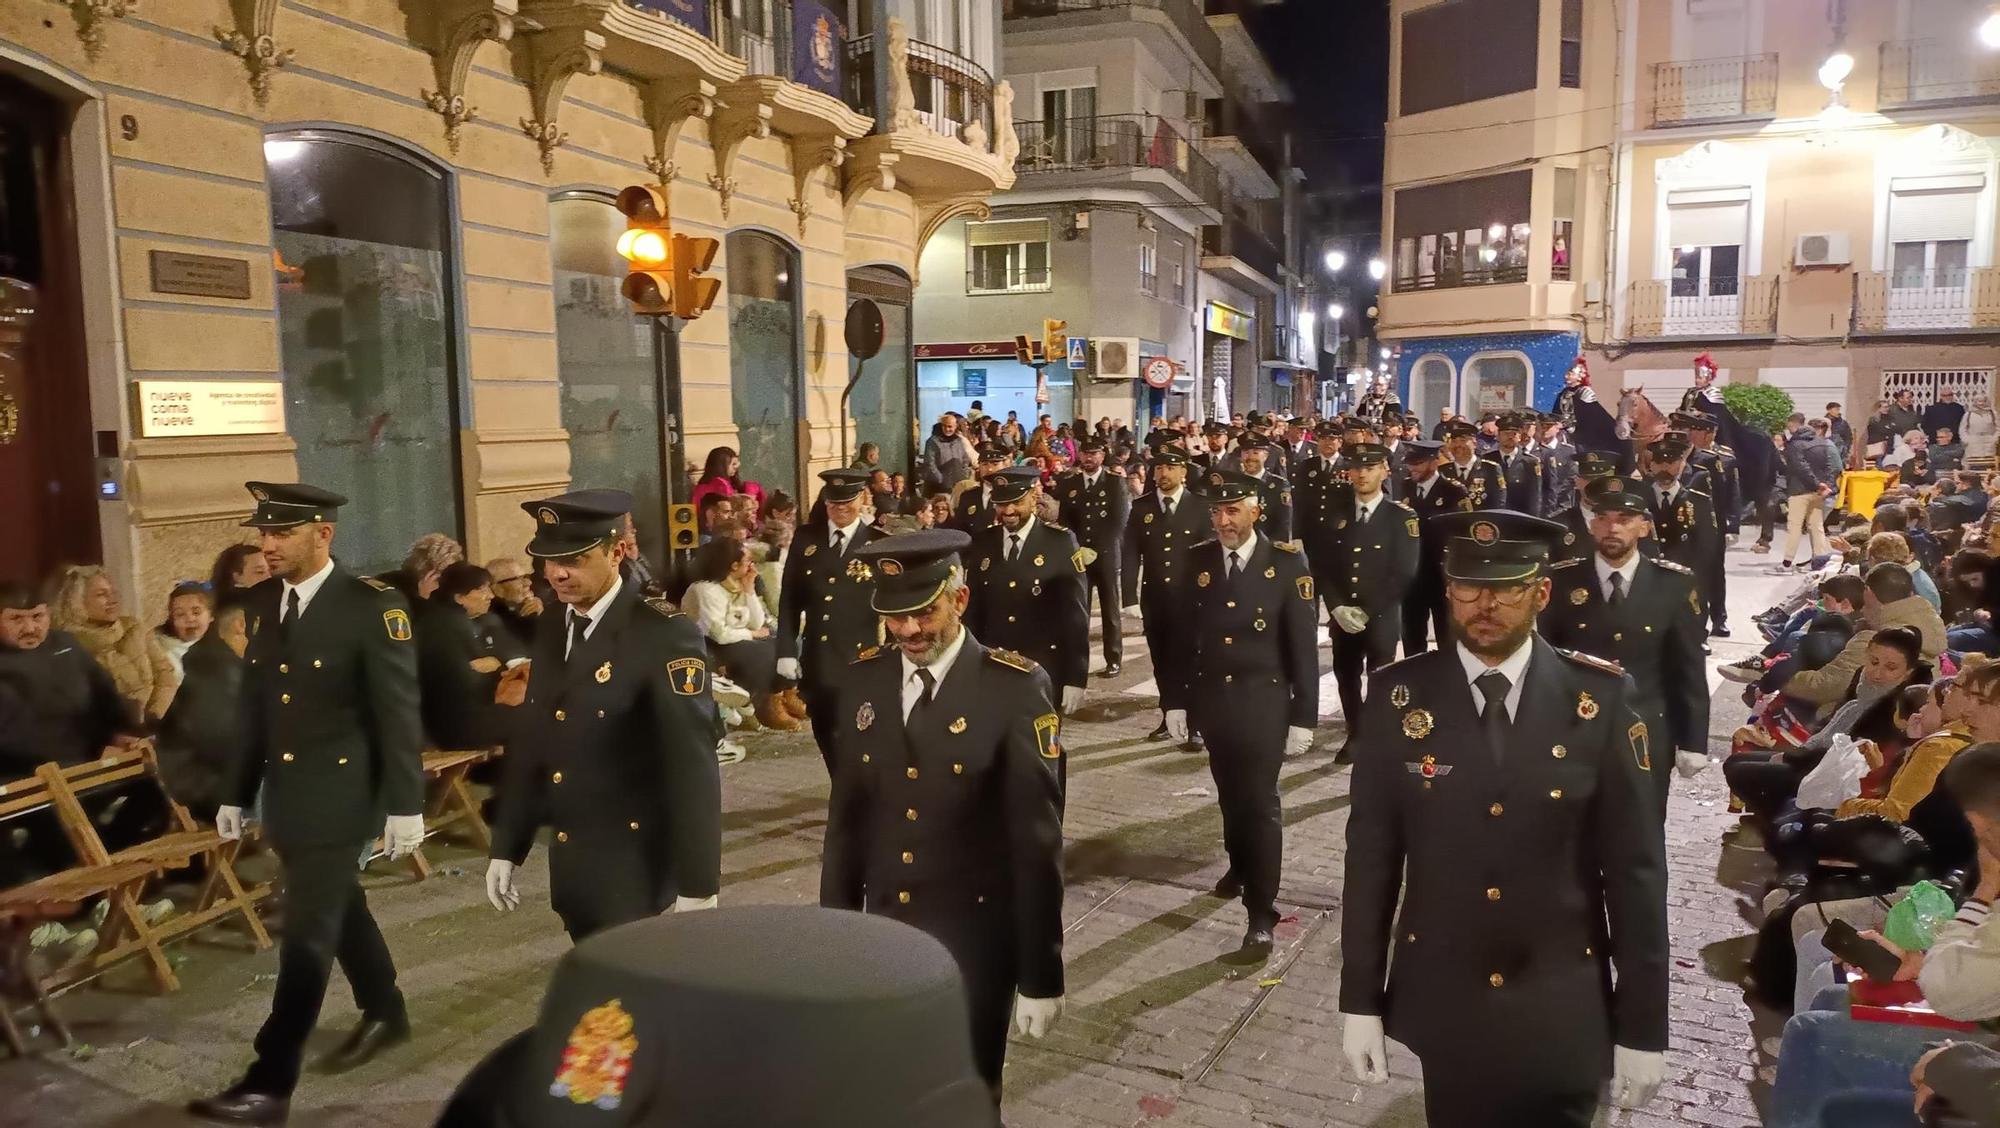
1496,381
881,406
604,362
1430,387
764,361
367,335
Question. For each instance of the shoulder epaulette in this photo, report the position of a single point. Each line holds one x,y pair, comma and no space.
1703,494
378,585
1670,565
1012,660
1560,564
1406,660
1285,546
1720,449
1592,661
867,655
1055,528
663,606
1402,506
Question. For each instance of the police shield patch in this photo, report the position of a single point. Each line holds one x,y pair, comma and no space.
397,622
688,676
1305,586
1640,752
1048,736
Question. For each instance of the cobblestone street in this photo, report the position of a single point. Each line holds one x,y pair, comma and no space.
1165,1025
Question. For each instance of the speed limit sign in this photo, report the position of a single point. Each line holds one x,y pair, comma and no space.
1160,372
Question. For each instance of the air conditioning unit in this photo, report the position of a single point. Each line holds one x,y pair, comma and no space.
1823,248
1117,358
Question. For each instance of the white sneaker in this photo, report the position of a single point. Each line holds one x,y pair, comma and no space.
49,934
157,911
728,693
1775,899
731,718
730,752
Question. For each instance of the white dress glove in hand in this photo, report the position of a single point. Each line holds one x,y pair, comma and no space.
1636,1076
788,668
229,823
402,835
693,904
1177,725
1690,764
1351,619
1297,740
1072,698
500,891
1366,1048
1035,1017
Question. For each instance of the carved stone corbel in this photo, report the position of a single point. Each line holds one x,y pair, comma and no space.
558,55
810,153
462,27
670,105
877,171
727,131
252,40
91,16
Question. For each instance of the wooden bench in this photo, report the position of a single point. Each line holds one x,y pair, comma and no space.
450,805
126,931
53,898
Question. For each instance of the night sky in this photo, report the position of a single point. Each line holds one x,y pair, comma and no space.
1334,54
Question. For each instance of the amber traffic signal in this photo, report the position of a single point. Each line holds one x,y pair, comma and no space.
1055,340
692,293
646,245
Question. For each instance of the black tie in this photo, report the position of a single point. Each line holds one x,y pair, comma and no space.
1617,588
1493,718
291,614
922,703
1232,564
578,624
1169,503
839,541
1013,554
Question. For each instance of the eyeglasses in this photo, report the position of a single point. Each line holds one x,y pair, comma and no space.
1510,596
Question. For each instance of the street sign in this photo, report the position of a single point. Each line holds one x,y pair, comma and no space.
1079,353
1160,372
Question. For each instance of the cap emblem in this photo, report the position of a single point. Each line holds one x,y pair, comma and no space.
259,493
891,567
546,516
598,1058
1485,532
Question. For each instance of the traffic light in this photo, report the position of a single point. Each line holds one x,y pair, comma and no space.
1055,340
646,245
682,532
692,293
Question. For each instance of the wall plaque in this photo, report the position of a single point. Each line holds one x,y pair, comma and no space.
202,276
210,407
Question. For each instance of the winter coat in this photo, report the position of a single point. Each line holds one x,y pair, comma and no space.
136,657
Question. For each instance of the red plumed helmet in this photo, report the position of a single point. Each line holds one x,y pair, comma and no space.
1705,361
1583,363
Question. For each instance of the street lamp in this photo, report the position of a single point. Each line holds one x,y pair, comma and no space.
1336,261
1377,269
1385,352
1834,71
1989,30
1336,311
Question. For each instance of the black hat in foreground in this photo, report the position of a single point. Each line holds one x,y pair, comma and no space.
1367,454
280,505
995,452
911,569
1595,464
1616,495
769,1015
1496,546
1328,429
1169,456
1422,450
843,485
576,521
1013,483
1219,487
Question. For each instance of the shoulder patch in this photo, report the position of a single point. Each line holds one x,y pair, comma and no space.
663,607
378,585
1702,494
1286,546
867,655
1012,660
1055,528
1401,506
1592,661
1669,565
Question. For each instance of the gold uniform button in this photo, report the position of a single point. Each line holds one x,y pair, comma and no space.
903,897
1496,979
315,663
1556,793
911,814
1588,952
556,778
287,757
1411,938
958,769
864,757
342,760
1493,894
911,772
1558,751
561,716
284,669
1496,810
284,699
908,858
1227,641
829,599
562,836
634,824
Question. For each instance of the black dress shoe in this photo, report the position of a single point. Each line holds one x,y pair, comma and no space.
1719,632
1346,753
239,1105
370,1038
1158,733
1257,937
1193,743
1229,886
1111,670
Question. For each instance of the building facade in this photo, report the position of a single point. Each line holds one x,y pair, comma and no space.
371,244
1149,213
1803,190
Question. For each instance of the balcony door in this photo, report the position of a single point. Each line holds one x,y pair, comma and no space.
1706,231
1714,77
1069,125
1942,66
1932,221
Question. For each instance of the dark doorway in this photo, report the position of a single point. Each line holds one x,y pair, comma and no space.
47,504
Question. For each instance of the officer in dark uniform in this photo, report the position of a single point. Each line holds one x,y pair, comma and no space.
1215,436
615,746
1027,581
1322,499
1273,491
1577,541
331,731
1254,688
974,509
1558,458
1642,613
1167,522
1481,477
1683,518
1095,504
821,586
947,801
1373,561
1725,489
1520,469
1429,494
1502,790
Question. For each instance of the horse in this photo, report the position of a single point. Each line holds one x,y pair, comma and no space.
1756,456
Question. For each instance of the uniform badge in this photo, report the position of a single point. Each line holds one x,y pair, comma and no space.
1048,734
1305,586
1340,524
259,493
546,515
1411,526
811,548
1258,625
1270,573
1399,696
1428,767
397,622
1485,532
1077,558
1201,580
1569,538
864,716
1417,724
688,676
985,563
1148,520
858,570
597,1059
892,567
1579,596
1642,754
1284,497
1040,560
603,673
1586,707
955,727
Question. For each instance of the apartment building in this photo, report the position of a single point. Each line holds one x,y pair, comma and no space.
1803,189
1149,212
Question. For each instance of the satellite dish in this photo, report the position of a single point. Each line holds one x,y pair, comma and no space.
864,329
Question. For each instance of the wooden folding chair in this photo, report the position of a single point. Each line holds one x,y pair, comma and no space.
450,803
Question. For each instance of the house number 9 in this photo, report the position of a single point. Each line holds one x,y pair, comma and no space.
128,127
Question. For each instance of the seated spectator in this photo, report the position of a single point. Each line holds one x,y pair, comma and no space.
1913,442
189,611
1947,454
87,606
1894,548
1890,600
723,602
866,457
1839,595
515,602
238,568
744,509
1964,591
710,511
1916,471
781,507
198,738
458,664
720,475
940,510
879,494
771,568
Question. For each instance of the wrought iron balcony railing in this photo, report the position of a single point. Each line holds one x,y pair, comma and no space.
1925,72
1704,90
1116,141
1723,306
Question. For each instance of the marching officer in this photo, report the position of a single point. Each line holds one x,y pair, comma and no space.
974,507
1373,561
1521,470
1274,493
1254,657
1481,477
1558,458
1578,542
1215,434
1683,518
1429,494
1096,504
1644,614
947,805
1725,489
1167,522
822,624
615,748
332,732
1027,584
1502,791
1323,499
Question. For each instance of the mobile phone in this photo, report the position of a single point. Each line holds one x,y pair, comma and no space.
1876,962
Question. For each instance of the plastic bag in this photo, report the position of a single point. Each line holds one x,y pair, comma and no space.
1912,924
1836,778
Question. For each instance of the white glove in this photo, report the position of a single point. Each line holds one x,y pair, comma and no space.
1635,1076
500,891
693,904
788,668
1035,1017
1366,1048
1297,740
403,834
1072,698
229,823
1351,619
1690,764
1177,724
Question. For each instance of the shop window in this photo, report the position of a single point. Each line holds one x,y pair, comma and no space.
1496,382
604,358
366,334
1009,256
764,362
881,403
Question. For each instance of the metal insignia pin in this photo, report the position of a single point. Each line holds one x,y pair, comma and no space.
1270,573
603,673
1417,724
956,727
1586,707
1399,696
1579,596
864,716
1040,560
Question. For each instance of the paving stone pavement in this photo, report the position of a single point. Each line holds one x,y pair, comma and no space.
1165,1025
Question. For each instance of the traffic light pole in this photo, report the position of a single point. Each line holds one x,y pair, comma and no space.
674,486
